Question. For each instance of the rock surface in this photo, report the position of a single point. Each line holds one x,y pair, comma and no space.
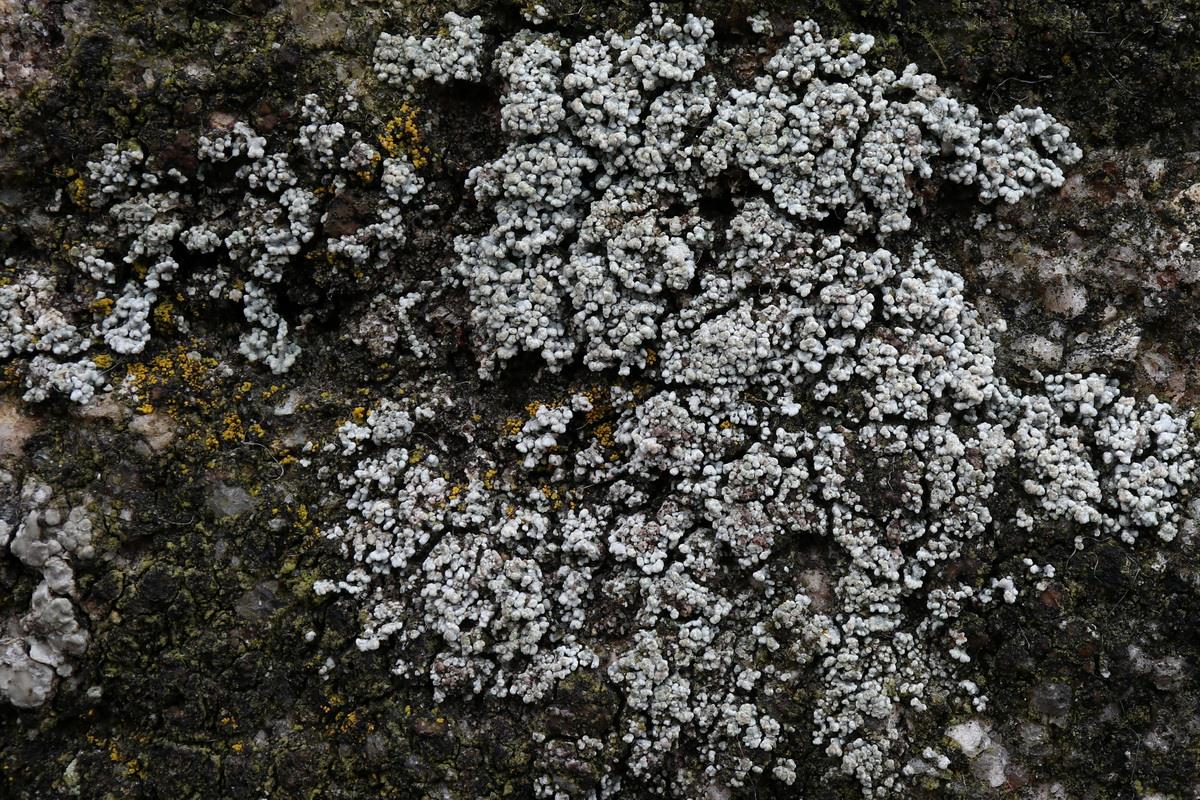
210,483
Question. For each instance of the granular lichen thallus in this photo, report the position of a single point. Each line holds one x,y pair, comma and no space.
755,379
248,220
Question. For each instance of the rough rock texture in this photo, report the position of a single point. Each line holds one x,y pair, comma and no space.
205,664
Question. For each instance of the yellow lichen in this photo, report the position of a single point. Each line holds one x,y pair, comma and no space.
402,137
350,720
234,430
77,190
604,434
163,313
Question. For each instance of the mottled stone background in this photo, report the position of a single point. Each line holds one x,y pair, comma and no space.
200,682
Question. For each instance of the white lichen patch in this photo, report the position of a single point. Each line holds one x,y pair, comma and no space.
784,425
453,53
255,213
37,647
804,400
582,256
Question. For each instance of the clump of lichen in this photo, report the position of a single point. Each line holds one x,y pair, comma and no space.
788,360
